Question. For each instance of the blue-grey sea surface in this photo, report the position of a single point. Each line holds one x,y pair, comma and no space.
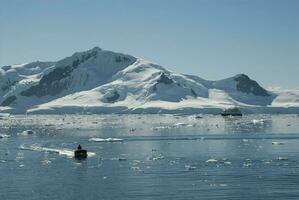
149,157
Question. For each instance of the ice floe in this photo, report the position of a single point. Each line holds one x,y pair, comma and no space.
106,140
189,167
4,136
160,128
212,160
282,158
277,143
27,132
258,121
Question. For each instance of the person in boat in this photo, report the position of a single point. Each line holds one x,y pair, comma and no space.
80,153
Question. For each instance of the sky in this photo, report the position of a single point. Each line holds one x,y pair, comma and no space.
213,39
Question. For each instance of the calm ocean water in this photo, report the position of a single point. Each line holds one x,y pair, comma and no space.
160,157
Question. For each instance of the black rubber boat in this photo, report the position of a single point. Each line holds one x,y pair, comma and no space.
80,153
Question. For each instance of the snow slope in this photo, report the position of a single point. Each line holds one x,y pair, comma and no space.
100,81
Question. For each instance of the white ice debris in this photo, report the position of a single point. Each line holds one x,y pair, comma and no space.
212,160
106,139
189,167
258,121
277,143
181,124
282,158
160,128
4,136
27,132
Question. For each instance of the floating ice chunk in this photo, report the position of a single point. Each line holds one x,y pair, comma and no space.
189,167
160,127
282,158
135,168
160,157
277,143
106,140
212,160
267,161
258,121
27,132
46,162
222,185
119,158
181,124
247,164
156,157
4,136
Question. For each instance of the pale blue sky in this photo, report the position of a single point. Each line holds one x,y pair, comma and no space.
213,39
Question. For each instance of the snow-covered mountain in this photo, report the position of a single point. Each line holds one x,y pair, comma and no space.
100,81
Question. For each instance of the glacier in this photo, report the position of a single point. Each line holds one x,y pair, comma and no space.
103,82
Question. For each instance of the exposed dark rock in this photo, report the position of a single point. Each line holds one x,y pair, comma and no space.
113,98
56,81
163,79
246,85
194,93
8,101
8,85
6,68
51,83
121,59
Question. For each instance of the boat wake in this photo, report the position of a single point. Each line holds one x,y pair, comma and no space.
61,151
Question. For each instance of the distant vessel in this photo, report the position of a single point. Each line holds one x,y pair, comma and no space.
80,153
232,112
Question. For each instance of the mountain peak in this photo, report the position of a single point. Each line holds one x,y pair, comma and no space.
96,48
242,75
247,85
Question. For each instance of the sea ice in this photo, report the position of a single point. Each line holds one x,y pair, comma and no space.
212,160
4,136
27,132
189,167
106,140
258,121
282,158
277,143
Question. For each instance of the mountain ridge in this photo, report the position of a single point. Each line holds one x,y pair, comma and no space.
102,81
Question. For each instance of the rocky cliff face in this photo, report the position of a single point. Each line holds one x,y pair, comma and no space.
248,86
